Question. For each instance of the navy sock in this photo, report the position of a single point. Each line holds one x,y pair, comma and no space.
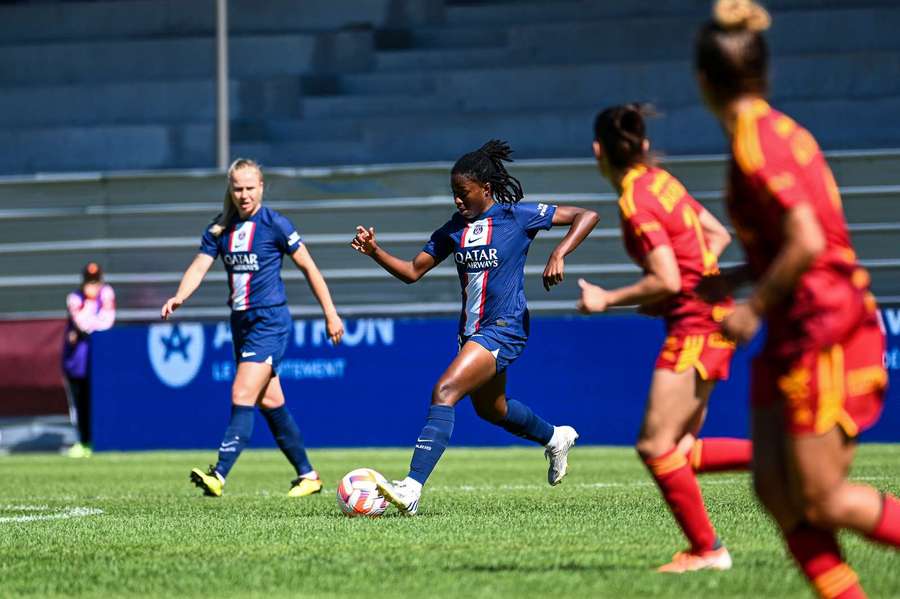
287,434
432,442
237,435
522,422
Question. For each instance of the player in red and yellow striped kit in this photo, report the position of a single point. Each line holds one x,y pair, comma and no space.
820,378
677,242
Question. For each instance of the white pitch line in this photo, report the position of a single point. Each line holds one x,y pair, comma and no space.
72,512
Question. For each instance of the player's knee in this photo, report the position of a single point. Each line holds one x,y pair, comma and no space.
652,446
270,403
825,510
243,396
445,393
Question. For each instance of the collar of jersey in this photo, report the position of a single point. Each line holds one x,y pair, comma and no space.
484,214
237,217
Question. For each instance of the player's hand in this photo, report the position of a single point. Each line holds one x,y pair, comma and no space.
742,324
172,304
593,298
364,242
553,273
335,327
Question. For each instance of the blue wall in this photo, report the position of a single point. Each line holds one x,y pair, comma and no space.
374,389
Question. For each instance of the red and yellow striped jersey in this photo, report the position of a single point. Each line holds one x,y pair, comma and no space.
656,210
776,165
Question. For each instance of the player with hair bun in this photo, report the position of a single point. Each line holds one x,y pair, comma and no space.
676,242
488,238
252,241
820,379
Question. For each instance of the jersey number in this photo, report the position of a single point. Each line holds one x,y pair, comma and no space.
709,259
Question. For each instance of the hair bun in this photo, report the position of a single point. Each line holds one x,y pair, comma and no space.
741,14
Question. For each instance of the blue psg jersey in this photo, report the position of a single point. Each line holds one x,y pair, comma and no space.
490,254
252,250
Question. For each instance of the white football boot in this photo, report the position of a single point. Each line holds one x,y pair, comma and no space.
558,453
402,493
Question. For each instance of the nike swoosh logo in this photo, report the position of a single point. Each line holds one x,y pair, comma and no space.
230,443
247,354
424,440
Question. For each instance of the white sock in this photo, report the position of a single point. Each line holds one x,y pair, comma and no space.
554,439
413,484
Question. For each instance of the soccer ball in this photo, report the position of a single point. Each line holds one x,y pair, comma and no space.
357,494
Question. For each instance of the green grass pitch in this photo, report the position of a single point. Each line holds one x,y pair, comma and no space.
489,526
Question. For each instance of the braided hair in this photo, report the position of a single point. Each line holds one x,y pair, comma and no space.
485,165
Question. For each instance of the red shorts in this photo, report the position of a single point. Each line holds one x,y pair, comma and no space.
707,353
841,385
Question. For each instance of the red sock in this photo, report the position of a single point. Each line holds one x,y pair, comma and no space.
818,555
679,487
887,530
717,454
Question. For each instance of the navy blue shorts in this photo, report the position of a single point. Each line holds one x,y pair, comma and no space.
505,343
261,334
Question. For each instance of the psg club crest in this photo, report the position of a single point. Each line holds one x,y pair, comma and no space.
242,235
478,229
176,351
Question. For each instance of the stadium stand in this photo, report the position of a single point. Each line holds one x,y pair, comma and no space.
145,228
96,87
128,84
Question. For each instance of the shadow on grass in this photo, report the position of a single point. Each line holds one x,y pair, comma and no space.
564,567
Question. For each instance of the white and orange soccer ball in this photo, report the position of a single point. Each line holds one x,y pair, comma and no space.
357,494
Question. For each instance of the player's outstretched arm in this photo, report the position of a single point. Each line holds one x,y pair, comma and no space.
319,288
192,278
661,280
408,271
581,222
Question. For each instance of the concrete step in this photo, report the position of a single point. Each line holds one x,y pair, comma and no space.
701,175
327,107
349,287
338,217
51,21
388,83
438,58
185,58
107,148
332,251
458,37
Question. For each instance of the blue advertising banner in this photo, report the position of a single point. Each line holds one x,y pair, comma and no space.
168,385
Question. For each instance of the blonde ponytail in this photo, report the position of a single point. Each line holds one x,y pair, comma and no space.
228,210
741,14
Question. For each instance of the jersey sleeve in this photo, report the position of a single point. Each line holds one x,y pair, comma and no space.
646,231
288,239
209,244
440,245
533,216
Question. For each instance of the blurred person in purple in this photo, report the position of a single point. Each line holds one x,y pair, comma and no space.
91,307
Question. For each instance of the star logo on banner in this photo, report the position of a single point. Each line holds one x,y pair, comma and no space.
176,342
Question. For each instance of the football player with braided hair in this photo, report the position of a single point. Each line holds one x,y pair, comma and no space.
488,237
